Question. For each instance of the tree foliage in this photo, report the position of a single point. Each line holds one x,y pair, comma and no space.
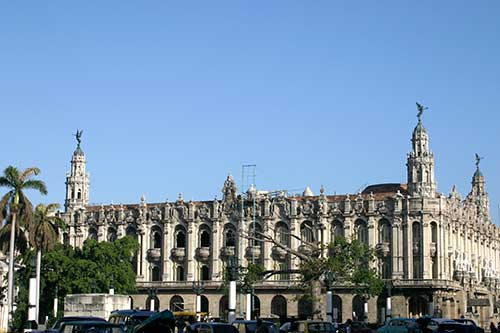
92,269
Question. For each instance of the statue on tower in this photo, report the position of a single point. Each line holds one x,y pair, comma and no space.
421,110
78,136
478,160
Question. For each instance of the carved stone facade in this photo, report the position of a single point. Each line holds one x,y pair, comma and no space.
438,253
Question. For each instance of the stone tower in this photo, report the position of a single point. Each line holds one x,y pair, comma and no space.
421,180
478,195
77,181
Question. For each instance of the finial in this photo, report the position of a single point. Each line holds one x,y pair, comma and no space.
180,198
78,136
421,110
322,189
143,198
478,160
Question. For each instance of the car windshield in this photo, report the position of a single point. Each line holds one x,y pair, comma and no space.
136,320
69,328
252,326
321,327
224,329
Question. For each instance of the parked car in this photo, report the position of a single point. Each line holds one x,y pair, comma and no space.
90,327
214,328
472,323
440,325
57,325
400,325
250,326
130,318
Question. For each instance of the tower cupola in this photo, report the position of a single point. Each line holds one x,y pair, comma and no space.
77,180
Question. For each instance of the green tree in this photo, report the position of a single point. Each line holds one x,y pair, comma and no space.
15,204
43,236
345,262
91,269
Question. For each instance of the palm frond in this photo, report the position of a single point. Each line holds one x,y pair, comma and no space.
28,172
51,208
26,211
35,184
5,182
4,204
12,174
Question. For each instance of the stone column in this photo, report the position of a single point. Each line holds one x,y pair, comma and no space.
192,240
266,248
167,247
397,250
427,260
216,246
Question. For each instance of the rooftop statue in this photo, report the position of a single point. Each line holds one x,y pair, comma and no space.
421,110
478,160
78,136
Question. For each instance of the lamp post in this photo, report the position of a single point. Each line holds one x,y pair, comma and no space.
232,267
248,302
329,296
56,300
198,288
389,300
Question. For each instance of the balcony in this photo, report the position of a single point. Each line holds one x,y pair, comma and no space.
253,252
308,251
154,254
227,252
178,254
278,254
202,253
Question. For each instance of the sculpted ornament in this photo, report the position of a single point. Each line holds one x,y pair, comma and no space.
204,211
307,208
130,217
155,214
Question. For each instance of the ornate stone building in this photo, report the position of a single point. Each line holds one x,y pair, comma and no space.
439,254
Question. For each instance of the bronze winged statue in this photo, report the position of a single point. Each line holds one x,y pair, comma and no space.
421,110
478,159
78,136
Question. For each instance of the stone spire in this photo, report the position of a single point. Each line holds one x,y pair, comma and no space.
420,164
478,181
77,180
478,195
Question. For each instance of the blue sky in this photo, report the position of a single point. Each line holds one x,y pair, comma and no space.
172,96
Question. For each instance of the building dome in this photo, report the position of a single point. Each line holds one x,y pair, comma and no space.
307,192
78,151
419,130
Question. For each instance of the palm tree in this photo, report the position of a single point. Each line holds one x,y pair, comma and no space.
16,204
44,235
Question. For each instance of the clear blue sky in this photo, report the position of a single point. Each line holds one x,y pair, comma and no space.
172,96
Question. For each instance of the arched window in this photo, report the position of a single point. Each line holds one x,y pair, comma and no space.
111,234
337,229
384,229
205,238
155,274
230,239
256,307
307,232
337,308
92,233
223,307
204,273
204,304
179,273
258,230
156,237
79,195
152,303
361,231
305,308
358,308
131,231
176,303
417,251
282,233
278,306
180,237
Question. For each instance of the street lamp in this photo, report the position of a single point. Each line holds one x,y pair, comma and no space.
198,288
232,272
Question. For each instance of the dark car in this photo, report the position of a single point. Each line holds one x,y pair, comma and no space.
214,328
471,323
90,327
130,318
356,327
440,325
62,320
250,326
161,322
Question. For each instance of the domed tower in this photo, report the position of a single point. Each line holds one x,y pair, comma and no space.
421,179
478,194
77,180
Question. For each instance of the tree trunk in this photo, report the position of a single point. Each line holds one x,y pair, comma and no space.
38,277
317,304
10,295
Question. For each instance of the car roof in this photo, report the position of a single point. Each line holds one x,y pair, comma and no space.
91,323
82,318
132,312
251,321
